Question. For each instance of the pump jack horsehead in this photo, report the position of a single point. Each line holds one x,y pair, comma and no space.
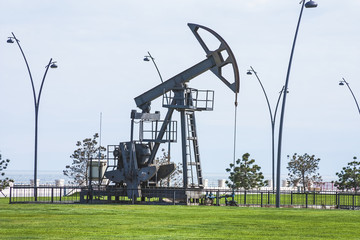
135,166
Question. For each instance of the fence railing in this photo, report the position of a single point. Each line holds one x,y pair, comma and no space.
26,194
216,197
290,199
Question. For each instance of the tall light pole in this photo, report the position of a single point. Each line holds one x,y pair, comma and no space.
341,83
272,119
309,4
51,64
146,59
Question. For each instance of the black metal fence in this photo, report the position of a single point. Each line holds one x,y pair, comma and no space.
325,200
215,197
26,194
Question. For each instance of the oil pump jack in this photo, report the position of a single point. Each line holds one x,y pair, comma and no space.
134,166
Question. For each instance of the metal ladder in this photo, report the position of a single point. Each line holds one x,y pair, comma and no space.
192,149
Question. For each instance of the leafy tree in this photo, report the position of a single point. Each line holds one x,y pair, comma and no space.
175,178
303,170
245,174
349,177
86,151
4,183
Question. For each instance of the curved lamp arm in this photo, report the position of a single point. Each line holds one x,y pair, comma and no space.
28,68
347,84
309,4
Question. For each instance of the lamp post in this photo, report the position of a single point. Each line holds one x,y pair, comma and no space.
272,119
146,59
341,83
51,64
309,4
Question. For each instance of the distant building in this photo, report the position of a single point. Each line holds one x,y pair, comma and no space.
324,186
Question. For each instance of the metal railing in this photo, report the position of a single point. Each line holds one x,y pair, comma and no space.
48,194
215,197
346,200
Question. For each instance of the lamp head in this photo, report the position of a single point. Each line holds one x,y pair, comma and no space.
311,4
249,72
341,83
10,40
53,65
146,59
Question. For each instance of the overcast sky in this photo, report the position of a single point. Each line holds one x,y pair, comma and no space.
99,47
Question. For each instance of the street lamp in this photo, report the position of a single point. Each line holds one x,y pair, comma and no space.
272,119
146,59
51,64
309,4
341,83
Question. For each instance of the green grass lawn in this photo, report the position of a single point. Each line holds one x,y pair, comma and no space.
75,221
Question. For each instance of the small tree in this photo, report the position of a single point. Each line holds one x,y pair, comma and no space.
245,174
349,176
303,170
5,182
87,151
175,178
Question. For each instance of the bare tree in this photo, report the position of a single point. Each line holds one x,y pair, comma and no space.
175,178
5,182
303,170
87,151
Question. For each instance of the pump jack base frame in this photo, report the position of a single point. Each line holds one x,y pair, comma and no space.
152,196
